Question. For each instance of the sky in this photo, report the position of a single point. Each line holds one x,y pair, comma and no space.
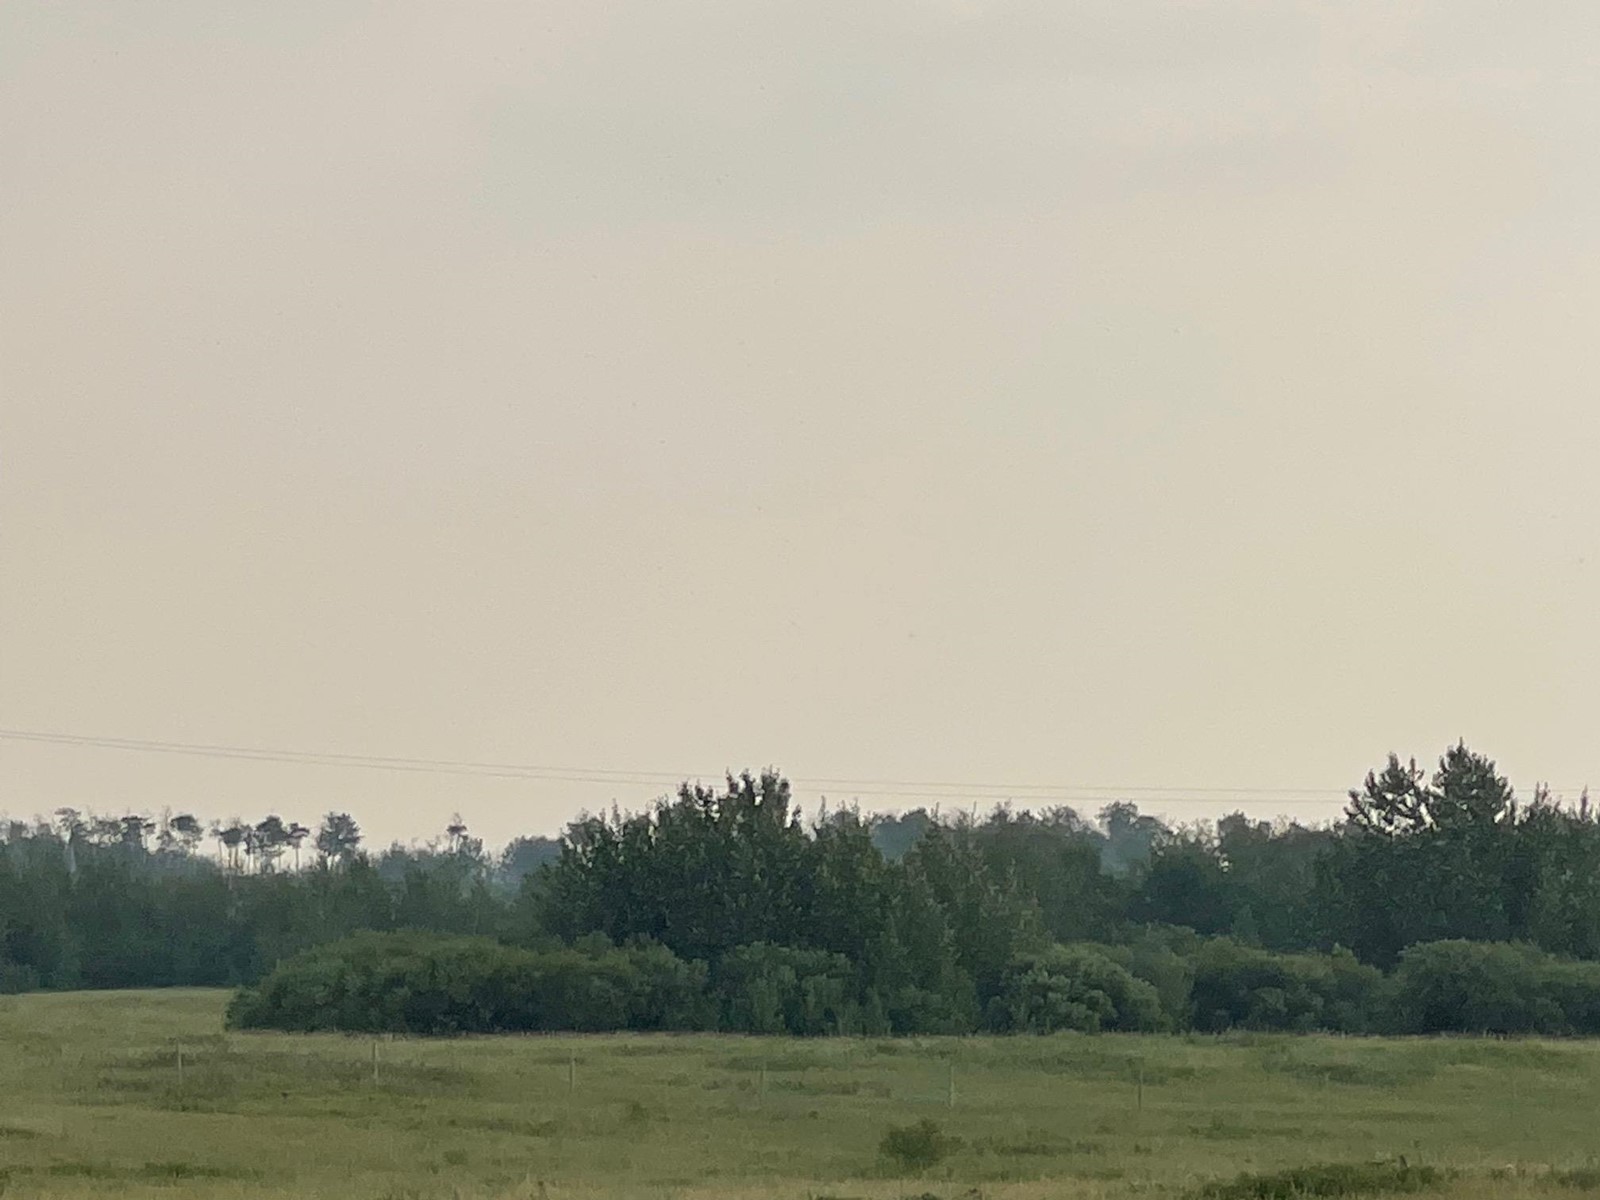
1180,402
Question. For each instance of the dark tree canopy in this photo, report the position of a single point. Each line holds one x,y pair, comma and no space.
1465,794
913,923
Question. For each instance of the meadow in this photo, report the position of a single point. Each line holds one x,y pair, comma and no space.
93,1102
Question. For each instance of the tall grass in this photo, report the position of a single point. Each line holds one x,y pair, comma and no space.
91,1104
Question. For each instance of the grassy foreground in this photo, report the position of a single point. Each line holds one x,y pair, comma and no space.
92,1104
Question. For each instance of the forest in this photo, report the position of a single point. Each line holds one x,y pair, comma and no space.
1439,900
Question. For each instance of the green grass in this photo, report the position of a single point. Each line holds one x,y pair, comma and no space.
91,1104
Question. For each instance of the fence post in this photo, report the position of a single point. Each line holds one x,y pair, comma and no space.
180,1062
950,1098
572,1070
374,1062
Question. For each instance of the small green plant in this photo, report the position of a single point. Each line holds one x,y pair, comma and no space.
918,1147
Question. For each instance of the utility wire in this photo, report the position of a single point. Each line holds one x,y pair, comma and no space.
316,758
888,788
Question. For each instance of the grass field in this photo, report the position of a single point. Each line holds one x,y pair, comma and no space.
92,1103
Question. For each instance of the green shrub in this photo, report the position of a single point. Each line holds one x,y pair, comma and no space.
414,982
1163,958
783,989
1494,987
1072,987
1238,987
918,1147
909,1009
435,984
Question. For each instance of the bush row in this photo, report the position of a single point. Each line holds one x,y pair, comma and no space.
433,984
436,984
1452,986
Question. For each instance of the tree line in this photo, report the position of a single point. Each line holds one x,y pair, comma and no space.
917,922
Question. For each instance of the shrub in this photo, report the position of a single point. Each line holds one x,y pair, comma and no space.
1163,958
668,992
1494,987
909,1009
918,1147
782,989
1072,987
434,984
1239,987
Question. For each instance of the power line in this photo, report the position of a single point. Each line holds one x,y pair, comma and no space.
1055,787
886,788
367,761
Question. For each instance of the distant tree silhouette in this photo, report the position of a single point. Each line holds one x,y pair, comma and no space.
339,838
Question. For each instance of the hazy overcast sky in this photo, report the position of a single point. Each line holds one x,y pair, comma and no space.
1192,395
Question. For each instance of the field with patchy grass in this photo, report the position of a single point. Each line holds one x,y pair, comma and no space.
93,1103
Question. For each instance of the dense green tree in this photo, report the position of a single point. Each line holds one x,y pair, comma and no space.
737,912
702,873
988,915
1187,883
1465,794
270,841
1272,878
1427,859
338,838
1055,857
